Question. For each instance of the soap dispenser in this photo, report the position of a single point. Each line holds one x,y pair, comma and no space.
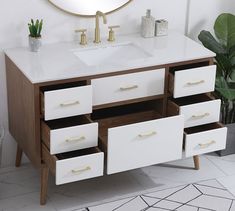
148,25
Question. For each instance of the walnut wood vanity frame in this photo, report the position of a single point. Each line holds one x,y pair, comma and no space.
26,111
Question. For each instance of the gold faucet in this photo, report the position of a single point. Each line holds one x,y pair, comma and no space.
97,25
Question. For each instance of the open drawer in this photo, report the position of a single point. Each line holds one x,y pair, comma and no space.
204,139
192,81
140,139
69,134
74,166
197,110
66,102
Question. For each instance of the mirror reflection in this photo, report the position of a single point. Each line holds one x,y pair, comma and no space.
89,7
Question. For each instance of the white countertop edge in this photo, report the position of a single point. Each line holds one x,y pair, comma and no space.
103,70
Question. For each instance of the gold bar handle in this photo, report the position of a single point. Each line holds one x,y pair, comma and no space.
200,116
129,88
203,146
79,171
80,30
69,104
75,139
195,83
145,135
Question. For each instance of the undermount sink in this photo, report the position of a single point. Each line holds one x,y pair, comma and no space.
111,54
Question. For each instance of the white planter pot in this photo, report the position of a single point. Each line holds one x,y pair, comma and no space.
34,43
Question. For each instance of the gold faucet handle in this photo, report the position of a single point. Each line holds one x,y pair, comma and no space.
83,36
114,27
80,30
111,33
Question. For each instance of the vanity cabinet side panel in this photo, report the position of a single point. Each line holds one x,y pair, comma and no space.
23,112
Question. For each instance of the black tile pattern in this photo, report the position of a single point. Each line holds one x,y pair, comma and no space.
202,196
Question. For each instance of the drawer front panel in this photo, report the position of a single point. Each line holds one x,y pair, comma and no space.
79,168
67,102
126,87
194,81
204,142
73,138
142,144
201,113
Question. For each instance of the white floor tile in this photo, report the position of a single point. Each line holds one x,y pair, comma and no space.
111,206
228,182
19,188
182,171
208,202
185,195
187,208
168,205
225,164
25,202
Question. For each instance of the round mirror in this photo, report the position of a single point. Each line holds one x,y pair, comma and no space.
89,7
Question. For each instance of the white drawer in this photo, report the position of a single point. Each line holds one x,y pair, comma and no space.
67,102
80,133
143,144
75,166
197,110
194,81
204,139
127,87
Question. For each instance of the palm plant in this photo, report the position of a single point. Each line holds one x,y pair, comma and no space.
223,44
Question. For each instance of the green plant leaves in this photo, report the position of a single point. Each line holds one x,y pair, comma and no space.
225,89
35,28
224,47
211,43
225,29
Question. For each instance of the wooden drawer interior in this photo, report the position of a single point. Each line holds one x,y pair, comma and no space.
203,128
51,159
123,115
174,104
188,66
172,71
47,126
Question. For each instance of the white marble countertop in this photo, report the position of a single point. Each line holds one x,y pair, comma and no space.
57,61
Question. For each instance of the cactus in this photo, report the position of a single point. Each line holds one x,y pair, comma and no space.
35,28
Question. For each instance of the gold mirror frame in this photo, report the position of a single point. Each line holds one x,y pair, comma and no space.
91,16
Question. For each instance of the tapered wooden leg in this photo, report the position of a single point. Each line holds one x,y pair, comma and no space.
44,184
196,162
19,153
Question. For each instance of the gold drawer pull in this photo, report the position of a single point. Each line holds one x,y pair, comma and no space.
200,116
195,83
79,171
75,139
69,104
203,146
147,134
129,88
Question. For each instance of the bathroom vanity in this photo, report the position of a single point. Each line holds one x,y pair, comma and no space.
82,112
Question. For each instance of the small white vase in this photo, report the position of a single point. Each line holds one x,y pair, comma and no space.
34,43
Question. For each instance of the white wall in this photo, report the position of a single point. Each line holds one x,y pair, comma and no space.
59,26
204,13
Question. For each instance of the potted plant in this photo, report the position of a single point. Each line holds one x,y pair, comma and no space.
35,29
223,44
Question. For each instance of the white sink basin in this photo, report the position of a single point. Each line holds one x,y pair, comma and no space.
111,54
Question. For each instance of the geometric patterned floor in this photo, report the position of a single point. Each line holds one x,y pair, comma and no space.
207,195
